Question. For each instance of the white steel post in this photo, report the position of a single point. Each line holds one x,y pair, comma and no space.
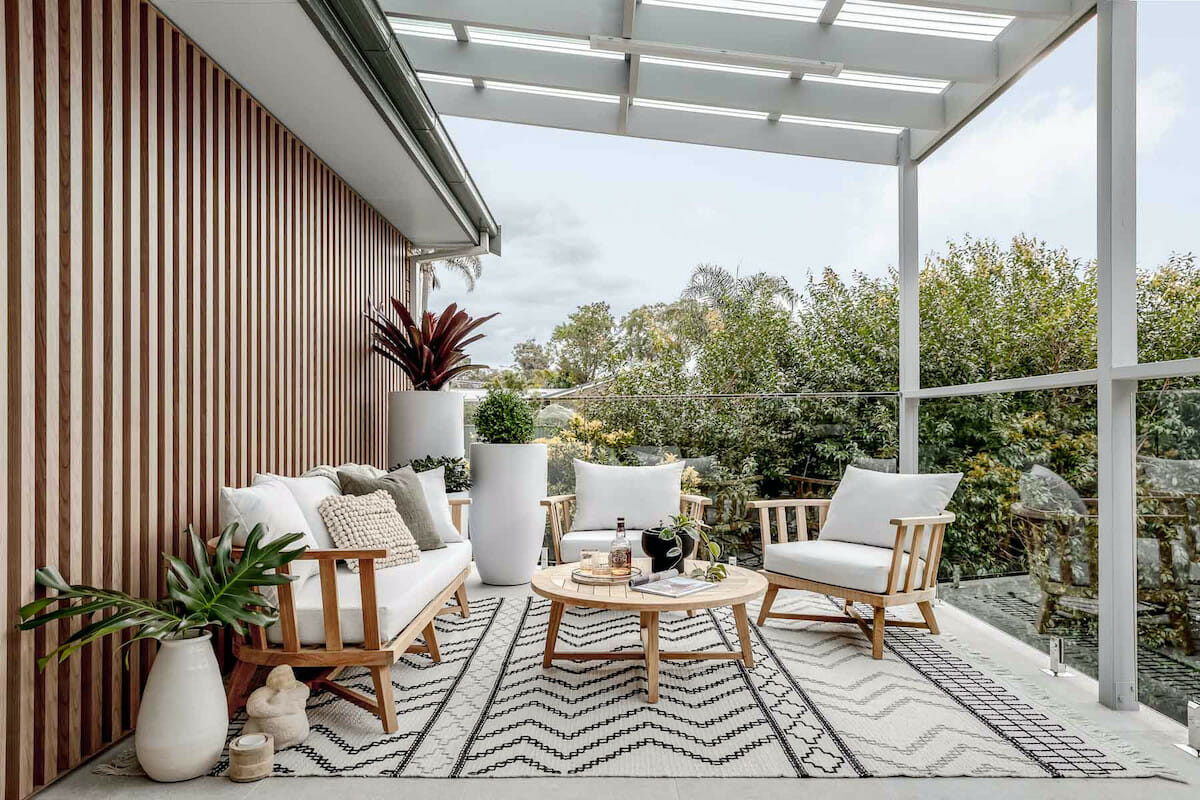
910,308
1116,228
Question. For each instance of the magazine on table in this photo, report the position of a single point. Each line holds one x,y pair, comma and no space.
678,586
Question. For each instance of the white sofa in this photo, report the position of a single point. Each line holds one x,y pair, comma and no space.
331,617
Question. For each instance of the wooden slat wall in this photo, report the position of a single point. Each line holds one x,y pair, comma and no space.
185,287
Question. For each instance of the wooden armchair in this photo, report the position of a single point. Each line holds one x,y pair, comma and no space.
908,580
561,509
333,655
1062,552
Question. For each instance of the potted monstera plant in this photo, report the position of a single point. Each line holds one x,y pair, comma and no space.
182,719
508,482
426,422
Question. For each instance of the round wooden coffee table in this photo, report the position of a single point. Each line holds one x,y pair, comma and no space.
740,587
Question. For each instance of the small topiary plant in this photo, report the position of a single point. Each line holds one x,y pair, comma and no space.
504,417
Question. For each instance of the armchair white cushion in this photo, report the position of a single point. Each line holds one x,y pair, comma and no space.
844,564
865,502
575,542
644,496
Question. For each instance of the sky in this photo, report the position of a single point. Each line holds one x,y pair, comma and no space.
590,217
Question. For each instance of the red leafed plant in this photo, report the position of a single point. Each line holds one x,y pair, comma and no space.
430,353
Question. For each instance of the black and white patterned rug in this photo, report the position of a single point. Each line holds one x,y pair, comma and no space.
815,704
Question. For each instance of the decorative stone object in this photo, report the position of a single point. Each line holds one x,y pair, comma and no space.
278,709
251,757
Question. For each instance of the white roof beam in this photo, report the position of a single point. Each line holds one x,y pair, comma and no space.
679,84
628,12
1019,47
857,48
830,11
460,32
1012,8
666,124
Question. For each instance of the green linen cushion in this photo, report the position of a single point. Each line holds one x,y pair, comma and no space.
405,489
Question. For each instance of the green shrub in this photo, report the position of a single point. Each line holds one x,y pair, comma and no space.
457,475
504,417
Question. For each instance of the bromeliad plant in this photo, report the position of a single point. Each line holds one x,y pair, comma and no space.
714,571
219,591
431,353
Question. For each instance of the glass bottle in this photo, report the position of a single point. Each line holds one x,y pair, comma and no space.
621,556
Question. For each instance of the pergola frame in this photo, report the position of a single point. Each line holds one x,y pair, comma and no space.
977,72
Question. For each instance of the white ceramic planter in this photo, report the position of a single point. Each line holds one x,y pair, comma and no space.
507,521
424,424
182,721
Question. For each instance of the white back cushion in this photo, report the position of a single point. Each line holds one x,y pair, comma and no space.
271,505
308,493
644,496
865,500
433,485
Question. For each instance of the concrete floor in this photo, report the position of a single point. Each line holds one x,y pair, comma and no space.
1153,734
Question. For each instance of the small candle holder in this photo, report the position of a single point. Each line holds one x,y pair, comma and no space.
251,757
586,558
1192,747
1058,667
600,563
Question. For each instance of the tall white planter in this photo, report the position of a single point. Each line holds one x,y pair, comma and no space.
507,521
182,721
424,424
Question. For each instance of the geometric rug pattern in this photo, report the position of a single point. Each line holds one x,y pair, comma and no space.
815,704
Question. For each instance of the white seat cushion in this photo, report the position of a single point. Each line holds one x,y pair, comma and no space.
845,564
865,501
401,592
575,542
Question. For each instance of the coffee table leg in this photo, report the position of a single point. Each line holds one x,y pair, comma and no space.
556,614
743,629
651,642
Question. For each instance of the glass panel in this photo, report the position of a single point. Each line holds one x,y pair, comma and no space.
1021,554
737,448
1168,180
1008,230
1168,544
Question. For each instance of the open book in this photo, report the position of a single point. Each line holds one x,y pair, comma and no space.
678,586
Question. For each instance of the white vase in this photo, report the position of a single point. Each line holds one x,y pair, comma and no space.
508,481
424,424
183,719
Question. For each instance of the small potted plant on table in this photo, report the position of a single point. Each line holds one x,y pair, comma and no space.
669,544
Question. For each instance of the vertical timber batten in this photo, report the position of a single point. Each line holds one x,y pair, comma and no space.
160,292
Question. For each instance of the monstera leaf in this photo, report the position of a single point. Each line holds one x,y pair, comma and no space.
218,591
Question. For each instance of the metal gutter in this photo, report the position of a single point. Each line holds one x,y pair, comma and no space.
360,34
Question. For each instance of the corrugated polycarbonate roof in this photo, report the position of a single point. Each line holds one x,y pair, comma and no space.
831,78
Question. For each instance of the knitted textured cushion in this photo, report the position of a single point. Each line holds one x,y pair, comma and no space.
369,521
